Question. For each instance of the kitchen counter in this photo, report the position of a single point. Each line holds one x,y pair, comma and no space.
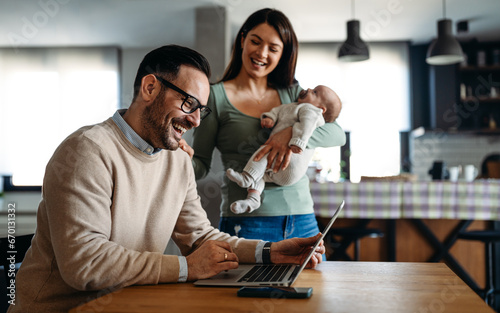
420,219
477,200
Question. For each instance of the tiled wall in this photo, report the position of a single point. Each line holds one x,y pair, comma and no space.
452,148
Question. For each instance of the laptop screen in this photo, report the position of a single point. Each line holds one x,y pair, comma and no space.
325,231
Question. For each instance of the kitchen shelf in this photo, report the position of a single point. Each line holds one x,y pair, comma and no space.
487,68
488,131
481,99
478,110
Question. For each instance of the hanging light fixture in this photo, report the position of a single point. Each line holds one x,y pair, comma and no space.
445,49
354,48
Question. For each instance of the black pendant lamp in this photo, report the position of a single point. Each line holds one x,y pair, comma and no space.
354,49
444,50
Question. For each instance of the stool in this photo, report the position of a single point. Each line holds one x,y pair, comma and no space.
489,237
350,235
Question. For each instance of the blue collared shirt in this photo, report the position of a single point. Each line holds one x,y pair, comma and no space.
131,135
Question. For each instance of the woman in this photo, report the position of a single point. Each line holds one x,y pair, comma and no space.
260,76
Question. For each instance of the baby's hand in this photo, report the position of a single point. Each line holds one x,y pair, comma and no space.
266,122
295,149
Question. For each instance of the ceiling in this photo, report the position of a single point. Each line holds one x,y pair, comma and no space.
150,23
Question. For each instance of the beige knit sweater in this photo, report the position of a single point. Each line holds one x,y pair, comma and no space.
107,213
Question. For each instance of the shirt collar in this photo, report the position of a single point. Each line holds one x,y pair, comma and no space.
131,135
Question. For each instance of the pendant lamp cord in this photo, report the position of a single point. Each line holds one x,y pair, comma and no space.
444,9
352,9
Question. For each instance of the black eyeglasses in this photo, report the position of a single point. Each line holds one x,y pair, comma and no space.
189,103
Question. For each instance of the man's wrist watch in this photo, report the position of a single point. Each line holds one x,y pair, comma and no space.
266,253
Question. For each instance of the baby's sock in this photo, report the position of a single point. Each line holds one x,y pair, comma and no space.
250,204
243,179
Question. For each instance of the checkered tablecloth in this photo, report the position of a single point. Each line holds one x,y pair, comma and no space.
363,200
478,200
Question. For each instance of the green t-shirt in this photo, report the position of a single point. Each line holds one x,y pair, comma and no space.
237,136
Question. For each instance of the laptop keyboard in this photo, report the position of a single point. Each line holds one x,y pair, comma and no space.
265,273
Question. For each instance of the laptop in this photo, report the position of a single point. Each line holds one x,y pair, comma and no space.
283,275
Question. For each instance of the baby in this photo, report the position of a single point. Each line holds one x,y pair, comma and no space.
314,108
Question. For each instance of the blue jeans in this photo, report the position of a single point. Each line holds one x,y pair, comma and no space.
270,228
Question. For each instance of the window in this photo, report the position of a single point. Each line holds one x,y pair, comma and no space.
376,104
46,94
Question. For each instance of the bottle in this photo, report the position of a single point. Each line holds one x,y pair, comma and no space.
493,92
496,57
481,58
492,123
463,91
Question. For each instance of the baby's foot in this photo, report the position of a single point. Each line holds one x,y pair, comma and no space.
243,179
250,204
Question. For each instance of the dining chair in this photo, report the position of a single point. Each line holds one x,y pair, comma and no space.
490,167
489,238
350,235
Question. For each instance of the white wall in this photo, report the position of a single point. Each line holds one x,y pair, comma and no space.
131,58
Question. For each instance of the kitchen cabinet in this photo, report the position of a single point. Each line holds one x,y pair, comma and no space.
478,96
464,97
445,110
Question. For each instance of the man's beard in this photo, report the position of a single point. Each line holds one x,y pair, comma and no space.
158,130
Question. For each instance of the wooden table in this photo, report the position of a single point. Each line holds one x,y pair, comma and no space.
337,287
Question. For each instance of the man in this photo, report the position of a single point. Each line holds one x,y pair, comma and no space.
116,192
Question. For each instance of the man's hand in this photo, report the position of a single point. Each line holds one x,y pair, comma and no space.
279,152
187,148
211,258
295,250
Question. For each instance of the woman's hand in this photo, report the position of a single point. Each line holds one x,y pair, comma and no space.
278,149
186,148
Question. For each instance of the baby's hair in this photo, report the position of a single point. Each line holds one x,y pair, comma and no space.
332,109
